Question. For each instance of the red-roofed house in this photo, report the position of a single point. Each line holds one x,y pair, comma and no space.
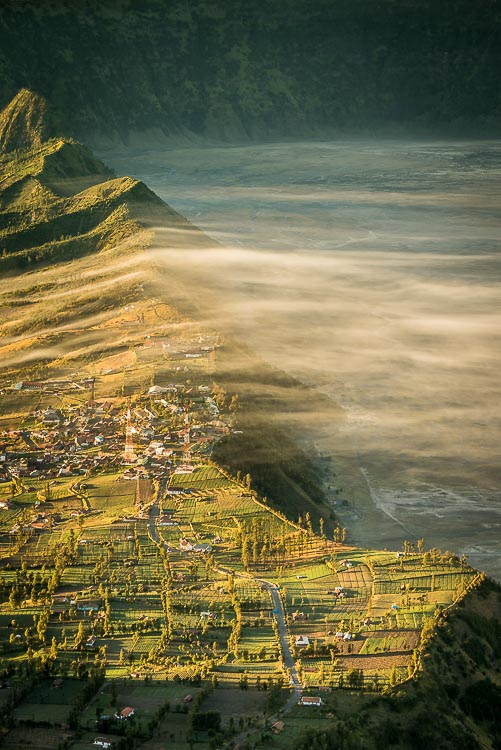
310,701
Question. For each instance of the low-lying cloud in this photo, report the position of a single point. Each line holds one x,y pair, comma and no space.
371,272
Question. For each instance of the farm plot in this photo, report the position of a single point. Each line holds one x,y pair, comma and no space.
42,738
65,505
234,503
389,641
136,381
143,645
116,533
258,644
77,576
357,580
46,702
414,575
7,489
117,644
410,619
170,535
253,597
112,495
55,489
8,518
144,699
15,406
205,508
310,585
149,572
40,549
380,665
203,478
235,703
201,607
186,510
149,604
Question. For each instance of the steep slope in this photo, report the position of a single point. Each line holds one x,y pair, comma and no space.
23,123
240,70
453,702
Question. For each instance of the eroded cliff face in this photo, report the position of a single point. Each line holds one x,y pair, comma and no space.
241,70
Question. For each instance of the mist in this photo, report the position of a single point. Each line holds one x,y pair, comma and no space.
371,272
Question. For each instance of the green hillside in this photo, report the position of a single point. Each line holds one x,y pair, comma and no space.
454,703
248,70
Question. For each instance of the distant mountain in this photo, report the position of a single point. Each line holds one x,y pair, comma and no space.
235,70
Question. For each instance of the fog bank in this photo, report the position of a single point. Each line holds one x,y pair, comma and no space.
370,271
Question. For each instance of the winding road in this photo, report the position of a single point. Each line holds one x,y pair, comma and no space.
288,658
279,613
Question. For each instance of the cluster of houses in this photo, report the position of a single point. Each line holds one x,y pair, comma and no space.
167,424
338,592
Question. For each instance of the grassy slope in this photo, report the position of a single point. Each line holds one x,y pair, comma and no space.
57,201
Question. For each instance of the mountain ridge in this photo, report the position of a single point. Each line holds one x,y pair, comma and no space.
57,200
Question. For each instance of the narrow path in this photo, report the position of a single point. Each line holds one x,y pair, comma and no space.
26,436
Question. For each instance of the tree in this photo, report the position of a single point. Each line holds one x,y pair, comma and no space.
53,648
80,636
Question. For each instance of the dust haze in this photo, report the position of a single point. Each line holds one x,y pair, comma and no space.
369,271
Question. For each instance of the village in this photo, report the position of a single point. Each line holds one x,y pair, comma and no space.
131,559
71,434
